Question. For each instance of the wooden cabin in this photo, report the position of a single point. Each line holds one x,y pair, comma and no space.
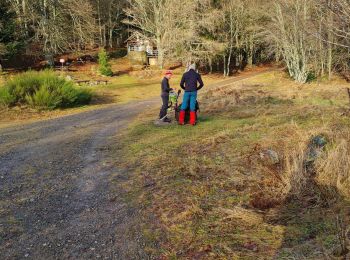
142,51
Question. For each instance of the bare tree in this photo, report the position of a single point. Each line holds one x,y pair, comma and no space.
56,25
288,32
335,35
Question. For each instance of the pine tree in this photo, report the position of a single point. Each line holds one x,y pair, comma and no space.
104,66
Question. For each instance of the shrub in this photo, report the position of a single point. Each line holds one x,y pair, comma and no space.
83,97
104,66
44,98
44,90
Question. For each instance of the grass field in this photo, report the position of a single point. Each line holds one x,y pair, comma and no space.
214,192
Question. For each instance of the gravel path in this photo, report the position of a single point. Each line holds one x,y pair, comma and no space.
56,196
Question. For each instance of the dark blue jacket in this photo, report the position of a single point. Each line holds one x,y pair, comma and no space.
165,87
190,81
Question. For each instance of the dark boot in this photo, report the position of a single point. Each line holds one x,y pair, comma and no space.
193,118
166,120
182,117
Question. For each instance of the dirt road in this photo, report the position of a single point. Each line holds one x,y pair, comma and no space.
56,200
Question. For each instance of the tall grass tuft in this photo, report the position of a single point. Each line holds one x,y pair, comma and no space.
6,99
333,169
43,90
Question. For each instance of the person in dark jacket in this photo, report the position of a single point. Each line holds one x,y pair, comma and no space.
165,97
191,82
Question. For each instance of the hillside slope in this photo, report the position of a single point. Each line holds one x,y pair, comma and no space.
264,175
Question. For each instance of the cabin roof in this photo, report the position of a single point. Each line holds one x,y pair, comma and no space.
137,37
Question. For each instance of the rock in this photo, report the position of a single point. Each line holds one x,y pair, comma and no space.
315,148
319,141
270,156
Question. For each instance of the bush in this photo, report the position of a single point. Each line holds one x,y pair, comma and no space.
104,66
44,98
44,90
83,97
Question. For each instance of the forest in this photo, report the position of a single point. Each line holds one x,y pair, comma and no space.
310,37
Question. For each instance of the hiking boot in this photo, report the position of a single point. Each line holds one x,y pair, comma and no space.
193,118
166,120
182,117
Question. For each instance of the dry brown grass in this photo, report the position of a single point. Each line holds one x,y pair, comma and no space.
209,192
333,168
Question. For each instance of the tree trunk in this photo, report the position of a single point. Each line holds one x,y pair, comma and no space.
24,10
160,52
99,22
330,60
229,60
232,28
104,35
110,27
210,66
224,56
45,25
329,44
250,52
